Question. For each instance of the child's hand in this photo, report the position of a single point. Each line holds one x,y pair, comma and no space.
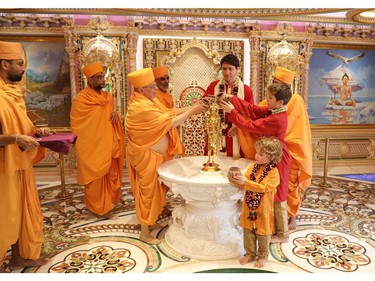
237,180
226,106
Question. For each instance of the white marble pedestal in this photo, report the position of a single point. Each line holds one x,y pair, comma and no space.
206,226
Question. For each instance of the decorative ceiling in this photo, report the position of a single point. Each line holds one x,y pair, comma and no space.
348,16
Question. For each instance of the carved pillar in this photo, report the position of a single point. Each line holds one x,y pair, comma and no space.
255,54
118,79
305,70
71,50
131,49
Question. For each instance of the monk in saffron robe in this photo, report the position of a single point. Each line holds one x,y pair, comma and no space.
152,140
298,141
230,84
21,219
162,83
100,143
161,75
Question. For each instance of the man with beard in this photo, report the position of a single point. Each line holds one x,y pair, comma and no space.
162,83
100,143
21,219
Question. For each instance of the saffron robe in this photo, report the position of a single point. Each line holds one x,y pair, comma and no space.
147,121
165,98
100,148
21,217
298,141
248,96
265,213
259,120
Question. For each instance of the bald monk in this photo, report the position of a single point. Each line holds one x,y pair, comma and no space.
298,141
21,219
161,75
100,143
152,140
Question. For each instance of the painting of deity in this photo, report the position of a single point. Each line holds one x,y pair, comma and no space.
342,86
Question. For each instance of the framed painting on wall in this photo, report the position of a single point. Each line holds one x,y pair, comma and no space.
342,85
48,93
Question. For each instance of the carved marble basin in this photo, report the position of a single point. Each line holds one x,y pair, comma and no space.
205,226
185,177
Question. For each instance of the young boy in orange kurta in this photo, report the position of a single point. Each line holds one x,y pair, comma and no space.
257,216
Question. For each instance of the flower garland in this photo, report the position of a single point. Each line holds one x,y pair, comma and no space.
224,120
254,201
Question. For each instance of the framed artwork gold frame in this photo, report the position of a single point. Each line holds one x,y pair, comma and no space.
328,64
47,78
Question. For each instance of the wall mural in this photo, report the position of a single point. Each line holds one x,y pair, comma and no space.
342,86
48,96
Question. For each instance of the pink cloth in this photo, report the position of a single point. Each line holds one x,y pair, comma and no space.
58,142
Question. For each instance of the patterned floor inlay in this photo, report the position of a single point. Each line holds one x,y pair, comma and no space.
335,233
320,251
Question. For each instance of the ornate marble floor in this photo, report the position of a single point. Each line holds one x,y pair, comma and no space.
335,234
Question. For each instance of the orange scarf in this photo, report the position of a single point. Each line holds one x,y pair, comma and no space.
14,120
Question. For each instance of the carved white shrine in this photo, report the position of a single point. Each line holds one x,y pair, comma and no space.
205,226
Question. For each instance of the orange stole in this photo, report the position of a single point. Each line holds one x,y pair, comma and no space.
165,98
247,140
298,141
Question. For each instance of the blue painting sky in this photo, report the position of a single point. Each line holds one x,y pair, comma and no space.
44,59
363,70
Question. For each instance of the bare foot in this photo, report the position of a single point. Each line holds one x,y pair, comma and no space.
292,225
166,212
108,215
245,260
155,227
260,263
277,239
18,263
149,239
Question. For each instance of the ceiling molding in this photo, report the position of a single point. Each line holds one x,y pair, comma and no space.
356,16
319,15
